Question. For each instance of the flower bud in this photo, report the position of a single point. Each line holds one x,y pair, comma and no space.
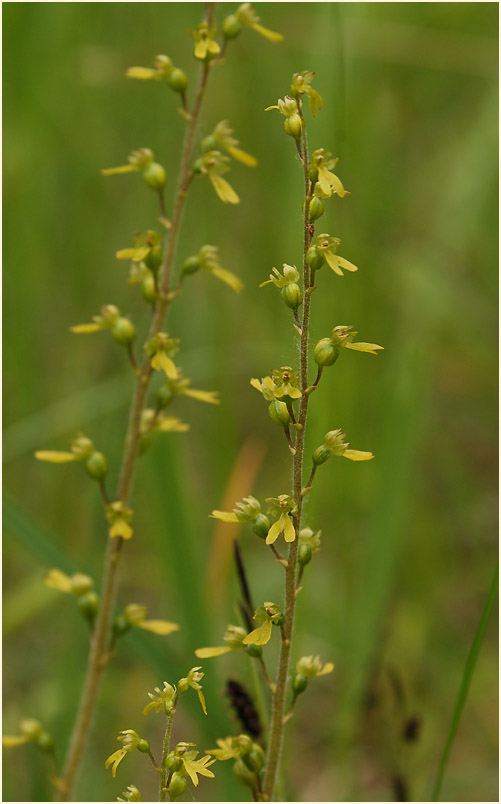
314,259
173,762
325,353
191,265
279,413
316,208
32,729
177,80
261,526
245,776
255,651
177,786
96,466
231,27
88,605
81,584
293,125
292,295
209,143
320,455
255,759
45,742
300,684
124,331
148,289
304,556
155,176
120,625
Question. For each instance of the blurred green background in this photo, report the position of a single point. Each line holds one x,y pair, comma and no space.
409,540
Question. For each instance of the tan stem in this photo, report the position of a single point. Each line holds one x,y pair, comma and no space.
97,654
278,709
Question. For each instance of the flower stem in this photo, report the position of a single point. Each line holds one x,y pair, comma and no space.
164,772
278,709
97,651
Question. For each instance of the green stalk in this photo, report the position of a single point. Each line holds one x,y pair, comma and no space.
98,654
278,707
165,751
468,671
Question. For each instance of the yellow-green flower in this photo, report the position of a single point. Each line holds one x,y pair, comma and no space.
245,511
282,506
135,616
233,637
289,276
119,517
130,740
283,382
334,444
208,260
206,47
301,83
131,794
321,167
161,349
142,161
153,421
181,387
246,15
311,667
324,251
32,731
184,758
266,616
162,71
121,328
163,700
147,248
228,748
213,164
193,680
82,449
222,139
310,539
76,584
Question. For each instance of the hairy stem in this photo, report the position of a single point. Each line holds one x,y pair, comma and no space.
164,773
277,717
97,654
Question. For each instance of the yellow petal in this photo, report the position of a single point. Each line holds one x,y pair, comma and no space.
202,702
172,425
348,266
294,393
136,254
143,73
332,262
242,156
315,101
120,528
162,362
260,636
84,328
116,170
58,580
226,276
274,532
213,47
289,531
115,760
272,36
209,653
224,190
269,108
204,396
161,627
224,516
370,348
357,455
256,384
327,668
54,457
11,742
200,51
192,768
323,180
